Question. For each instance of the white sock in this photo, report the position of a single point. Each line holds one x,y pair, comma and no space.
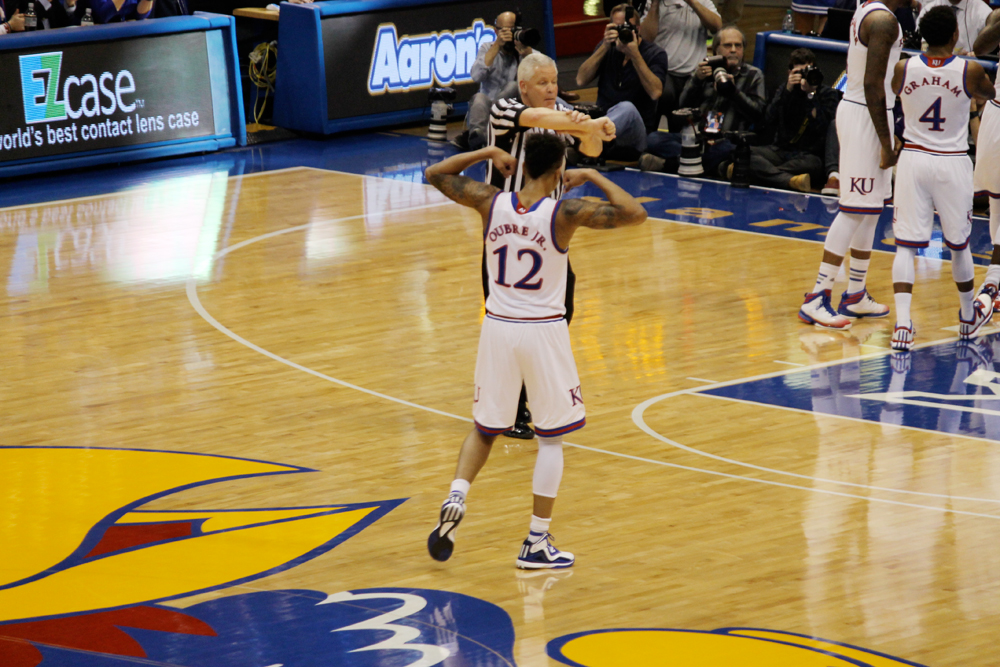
903,300
461,487
903,272
824,279
858,273
963,271
965,301
993,274
539,526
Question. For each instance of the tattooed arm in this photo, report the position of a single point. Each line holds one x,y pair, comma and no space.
445,177
622,209
880,30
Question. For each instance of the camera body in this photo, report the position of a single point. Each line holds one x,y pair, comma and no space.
626,32
723,84
716,62
529,37
812,75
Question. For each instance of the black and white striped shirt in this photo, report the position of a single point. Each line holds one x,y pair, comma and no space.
507,133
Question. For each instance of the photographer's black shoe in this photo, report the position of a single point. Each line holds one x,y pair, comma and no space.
521,431
461,142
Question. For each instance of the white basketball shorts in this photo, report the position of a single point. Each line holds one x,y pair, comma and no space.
864,186
925,182
988,152
538,354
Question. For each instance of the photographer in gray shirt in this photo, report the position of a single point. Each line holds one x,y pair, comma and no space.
495,70
681,28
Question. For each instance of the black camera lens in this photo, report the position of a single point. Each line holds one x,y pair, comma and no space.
626,32
528,36
812,75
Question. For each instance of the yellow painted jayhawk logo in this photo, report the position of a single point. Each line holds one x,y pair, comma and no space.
77,539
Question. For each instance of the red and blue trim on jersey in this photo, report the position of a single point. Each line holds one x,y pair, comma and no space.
917,148
520,210
960,246
912,244
525,320
861,209
489,218
552,229
562,430
486,430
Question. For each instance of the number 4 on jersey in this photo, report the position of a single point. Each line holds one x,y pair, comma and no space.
933,116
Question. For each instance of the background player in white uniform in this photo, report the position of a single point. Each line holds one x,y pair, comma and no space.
524,336
987,174
866,159
934,170
512,121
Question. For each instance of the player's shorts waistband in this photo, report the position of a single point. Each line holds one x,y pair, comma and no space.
524,320
932,151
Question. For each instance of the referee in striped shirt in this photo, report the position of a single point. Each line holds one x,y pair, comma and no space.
511,121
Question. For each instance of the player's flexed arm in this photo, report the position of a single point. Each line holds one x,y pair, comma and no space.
880,30
622,209
463,190
989,38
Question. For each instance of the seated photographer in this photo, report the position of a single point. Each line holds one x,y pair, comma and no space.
495,70
800,113
729,95
629,73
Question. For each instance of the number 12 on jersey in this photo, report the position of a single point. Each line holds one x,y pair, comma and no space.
523,283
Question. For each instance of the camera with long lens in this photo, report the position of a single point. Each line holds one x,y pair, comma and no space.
723,84
528,36
440,99
691,143
812,75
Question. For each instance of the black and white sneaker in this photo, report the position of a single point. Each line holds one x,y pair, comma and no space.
441,542
538,553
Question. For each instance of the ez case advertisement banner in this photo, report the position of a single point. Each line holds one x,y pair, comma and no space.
82,97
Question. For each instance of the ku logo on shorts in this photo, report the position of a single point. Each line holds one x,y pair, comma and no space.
862,185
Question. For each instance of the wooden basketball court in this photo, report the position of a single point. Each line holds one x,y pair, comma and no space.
301,343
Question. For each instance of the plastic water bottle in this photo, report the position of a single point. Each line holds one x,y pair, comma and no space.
30,18
87,19
788,24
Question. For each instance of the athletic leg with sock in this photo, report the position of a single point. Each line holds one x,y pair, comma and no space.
475,451
852,231
902,286
537,551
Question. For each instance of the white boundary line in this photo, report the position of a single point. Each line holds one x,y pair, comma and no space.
192,293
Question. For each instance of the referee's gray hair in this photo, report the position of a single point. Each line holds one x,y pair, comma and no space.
532,62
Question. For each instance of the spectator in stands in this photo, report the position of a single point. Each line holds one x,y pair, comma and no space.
12,21
630,76
165,8
800,115
730,100
971,15
117,11
495,70
55,13
681,28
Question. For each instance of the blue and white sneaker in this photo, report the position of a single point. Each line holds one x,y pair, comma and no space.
538,553
902,337
441,541
982,311
816,309
861,304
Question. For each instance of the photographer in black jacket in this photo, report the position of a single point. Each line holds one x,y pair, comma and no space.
800,113
730,97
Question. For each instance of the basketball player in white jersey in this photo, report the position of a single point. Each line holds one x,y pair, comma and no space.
936,90
524,336
864,122
512,121
987,173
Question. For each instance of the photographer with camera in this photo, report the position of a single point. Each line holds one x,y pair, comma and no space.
729,96
800,113
630,73
681,28
495,70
